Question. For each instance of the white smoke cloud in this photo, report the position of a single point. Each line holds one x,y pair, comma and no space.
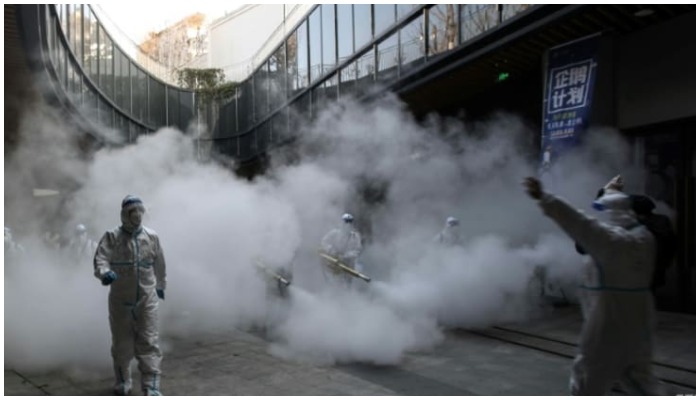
400,178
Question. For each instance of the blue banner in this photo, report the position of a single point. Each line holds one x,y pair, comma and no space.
571,70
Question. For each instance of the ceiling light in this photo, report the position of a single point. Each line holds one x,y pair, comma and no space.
644,12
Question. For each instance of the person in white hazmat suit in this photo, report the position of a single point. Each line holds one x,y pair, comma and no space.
130,259
449,236
345,244
12,248
617,305
81,248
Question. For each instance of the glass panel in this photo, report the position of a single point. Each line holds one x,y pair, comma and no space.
348,79
279,126
412,45
106,60
186,109
245,106
246,145
62,9
156,103
403,9
292,57
384,17
388,58
511,10
345,35
122,81
443,28
89,107
365,70
173,107
363,24
262,137
315,46
302,57
75,21
328,36
261,90
477,18
61,66
105,113
302,107
324,94
139,96
277,82
91,47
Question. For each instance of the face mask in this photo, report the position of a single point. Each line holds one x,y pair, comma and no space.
136,216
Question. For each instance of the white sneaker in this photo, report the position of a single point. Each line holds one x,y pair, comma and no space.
122,389
152,392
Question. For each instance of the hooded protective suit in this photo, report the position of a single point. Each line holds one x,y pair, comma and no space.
449,236
617,305
130,258
345,244
81,248
12,249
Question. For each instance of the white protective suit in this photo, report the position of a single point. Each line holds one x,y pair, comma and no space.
345,244
134,254
449,236
13,250
81,248
618,307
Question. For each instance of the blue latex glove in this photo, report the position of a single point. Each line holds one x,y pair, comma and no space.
161,293
108,278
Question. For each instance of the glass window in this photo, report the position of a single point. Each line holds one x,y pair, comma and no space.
61,66
477,18
262,137
315,46
76,87
345,35
156,103
186,109
324,94
388,58
173,118
279,126
246,145
277,82
245,106
292,56
363,24
511,10
403,9
75,21
122,80
328,36
365,70
106,64
62,10
302,57
89,102
106,113
90,45
384,17
442,21
412,45
348,79
139,95
261,90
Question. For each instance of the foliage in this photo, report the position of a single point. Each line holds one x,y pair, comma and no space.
209,83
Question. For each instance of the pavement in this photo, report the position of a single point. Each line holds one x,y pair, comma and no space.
494,362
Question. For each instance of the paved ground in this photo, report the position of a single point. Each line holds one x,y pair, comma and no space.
466,363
